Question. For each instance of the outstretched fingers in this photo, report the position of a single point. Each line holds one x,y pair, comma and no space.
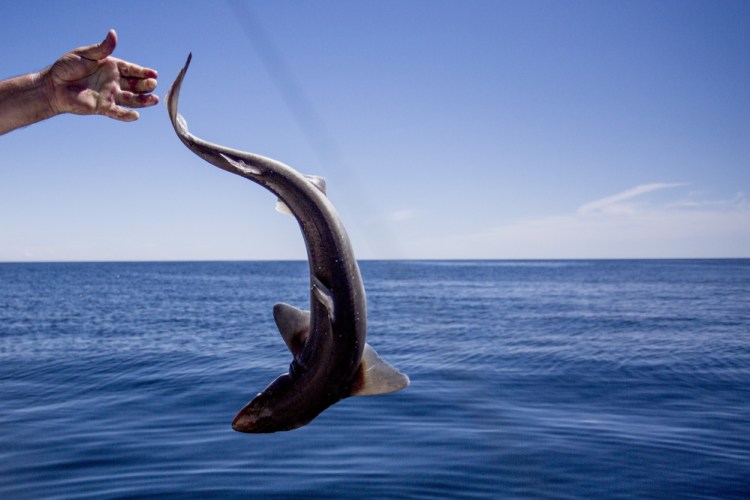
133,100
135,79
122,114
130,70
118,106
135,84
138,85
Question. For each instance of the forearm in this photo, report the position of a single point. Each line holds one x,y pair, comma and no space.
23,101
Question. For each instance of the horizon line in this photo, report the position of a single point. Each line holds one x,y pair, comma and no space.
530,259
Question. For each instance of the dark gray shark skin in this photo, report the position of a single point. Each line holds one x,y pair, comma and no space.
330,358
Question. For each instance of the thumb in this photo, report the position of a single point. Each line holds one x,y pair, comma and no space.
100,50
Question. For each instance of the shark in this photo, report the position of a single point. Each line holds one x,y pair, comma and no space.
331,360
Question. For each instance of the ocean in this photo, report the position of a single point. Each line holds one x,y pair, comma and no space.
529,379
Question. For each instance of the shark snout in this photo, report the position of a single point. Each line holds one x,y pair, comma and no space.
255,418
242,423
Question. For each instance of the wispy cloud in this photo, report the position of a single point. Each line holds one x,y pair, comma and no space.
619,226
615,203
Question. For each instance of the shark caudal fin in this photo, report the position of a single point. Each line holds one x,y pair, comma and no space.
377,376
316,180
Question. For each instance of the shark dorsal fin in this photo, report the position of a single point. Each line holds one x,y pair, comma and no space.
316,180
319,182
377,376
293,325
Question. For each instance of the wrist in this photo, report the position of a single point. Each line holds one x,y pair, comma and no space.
44,91
24,100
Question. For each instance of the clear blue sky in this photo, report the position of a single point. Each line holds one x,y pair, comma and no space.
445,129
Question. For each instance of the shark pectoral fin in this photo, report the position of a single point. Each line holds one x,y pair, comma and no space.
377,376
316,180
293,325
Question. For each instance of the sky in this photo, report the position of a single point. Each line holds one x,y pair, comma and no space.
445,129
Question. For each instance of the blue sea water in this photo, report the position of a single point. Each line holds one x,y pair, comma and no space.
540,379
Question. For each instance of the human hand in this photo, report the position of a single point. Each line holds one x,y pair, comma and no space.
89,81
